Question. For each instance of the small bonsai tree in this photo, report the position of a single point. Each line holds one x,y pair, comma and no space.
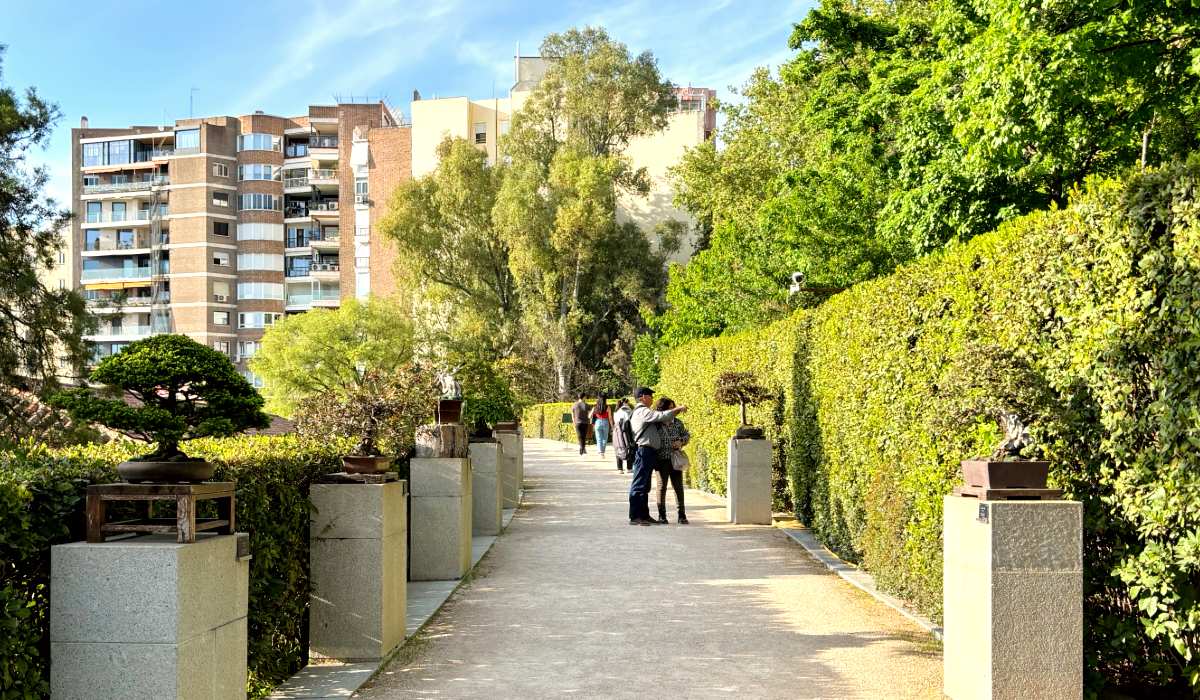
180,390
740,389
380,412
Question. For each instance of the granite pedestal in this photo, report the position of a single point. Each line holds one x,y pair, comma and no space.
441,504
149,617
358,559
749,474
486,488
512,443
1013,599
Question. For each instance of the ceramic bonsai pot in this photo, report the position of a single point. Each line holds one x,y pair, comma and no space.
1015,474
507,426
449,410
368,464
170,472
749,432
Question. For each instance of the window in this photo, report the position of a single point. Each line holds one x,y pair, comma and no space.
260,202
220,170
187,139
93,212
258,142
220,318
221,346
255,380
62,258
118,152
221,228
220,258
220,292
257,319
257,171
298,267
62,283
360,186
120,179
504,127
259,290
91,180
260,261
247,349
118,211
220,199
260,232
480,132
93,154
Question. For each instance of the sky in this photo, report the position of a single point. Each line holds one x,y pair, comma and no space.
140,62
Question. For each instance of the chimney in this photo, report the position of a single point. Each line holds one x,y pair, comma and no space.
259,111
83,122
416,95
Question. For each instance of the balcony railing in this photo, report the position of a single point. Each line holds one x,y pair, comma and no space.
299,299
325,267
143,156
116,245
322,142
322,174
127,186
124,273
299,150
296,272
295,181
326,294
331,205
124,331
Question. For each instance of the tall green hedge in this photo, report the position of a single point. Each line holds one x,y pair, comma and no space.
1086,320
41,504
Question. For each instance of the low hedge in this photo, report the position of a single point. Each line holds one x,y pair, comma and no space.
1085,320
41,504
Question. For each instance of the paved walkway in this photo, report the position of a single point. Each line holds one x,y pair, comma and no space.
574,601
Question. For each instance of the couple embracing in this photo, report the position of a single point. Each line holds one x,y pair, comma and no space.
659,437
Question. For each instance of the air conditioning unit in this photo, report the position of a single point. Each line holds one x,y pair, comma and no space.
361,199
221,297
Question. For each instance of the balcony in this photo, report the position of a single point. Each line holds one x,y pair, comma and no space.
319,142
298,150
295,272
330,271
121,332
123,273
114,187
153,154
330,241
295,182
327,209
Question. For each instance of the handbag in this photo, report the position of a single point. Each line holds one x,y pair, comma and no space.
679,460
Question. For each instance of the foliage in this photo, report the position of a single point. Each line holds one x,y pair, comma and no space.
1079,319
898,128
183,390
487,395
580,274
325,353
449,249
42,504
644,364
740,389
380,412
37,325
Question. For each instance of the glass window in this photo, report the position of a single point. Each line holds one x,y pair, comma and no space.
120,179
360,186
220,199
220,258
220,170
221,318
298,267
118,211
260,261
125,239
118,152
186,139
91,180
259,290
93,212
222,346
255,380
220,291
257,319
221,228
91,239
480,132
260,232
260,202
93,154
504,127
257,171
258,142
247,348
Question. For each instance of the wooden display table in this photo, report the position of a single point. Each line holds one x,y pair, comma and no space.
185,524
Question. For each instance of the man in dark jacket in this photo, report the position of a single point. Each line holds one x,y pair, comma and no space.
579,416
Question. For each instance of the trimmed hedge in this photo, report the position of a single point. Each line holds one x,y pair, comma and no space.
41,504
1085,320
544,420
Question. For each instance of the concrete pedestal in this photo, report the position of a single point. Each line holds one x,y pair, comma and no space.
149,617
486,488
1013,599
749,475
441,518
512,443
358,559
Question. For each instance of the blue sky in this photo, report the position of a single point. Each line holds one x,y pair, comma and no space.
135,62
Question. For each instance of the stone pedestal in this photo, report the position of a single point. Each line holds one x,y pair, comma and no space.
358,559
1013,599
149,617
749,475
487,487
441,518
512,443
442,440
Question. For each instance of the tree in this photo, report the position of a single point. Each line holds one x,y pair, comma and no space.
183,390
36,324
380,412
580,273
326,353
446,239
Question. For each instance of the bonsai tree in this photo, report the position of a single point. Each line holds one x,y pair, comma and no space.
380,412
180,390
740,389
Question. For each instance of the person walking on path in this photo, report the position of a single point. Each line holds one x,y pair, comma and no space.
647,436
579,416
671,461
601,420
623,437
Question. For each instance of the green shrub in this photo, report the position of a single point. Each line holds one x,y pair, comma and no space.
41,504
1086,319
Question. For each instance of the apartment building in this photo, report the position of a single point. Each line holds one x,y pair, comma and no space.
485,122
217,227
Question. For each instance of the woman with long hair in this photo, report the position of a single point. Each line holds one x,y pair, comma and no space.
602,422
671,461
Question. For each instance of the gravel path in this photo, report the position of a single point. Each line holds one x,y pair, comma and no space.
573,601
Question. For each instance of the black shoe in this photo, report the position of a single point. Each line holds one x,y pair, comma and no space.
641,521
682,519
660,521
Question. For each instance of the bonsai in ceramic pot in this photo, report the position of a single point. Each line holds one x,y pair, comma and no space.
742,389
169,389
1008,467
380,413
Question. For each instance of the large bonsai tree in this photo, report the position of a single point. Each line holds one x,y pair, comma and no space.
180,390
740,389
380,412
